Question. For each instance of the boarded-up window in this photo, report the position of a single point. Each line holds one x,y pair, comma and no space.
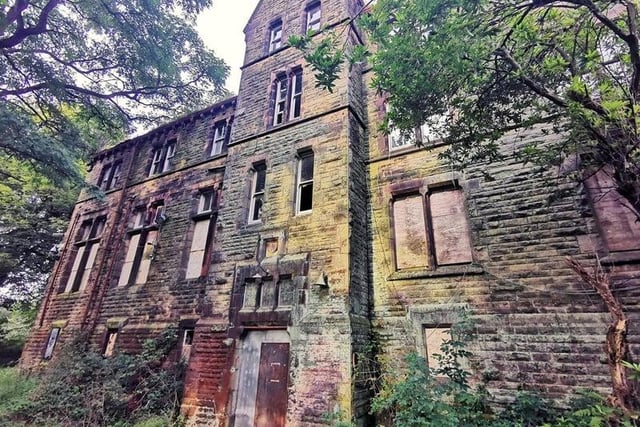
200,252
410,232
187,344
141,248
440,238
450,227
618,223
433,340
87,243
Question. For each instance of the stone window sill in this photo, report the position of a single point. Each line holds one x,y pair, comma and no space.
621,257
446,270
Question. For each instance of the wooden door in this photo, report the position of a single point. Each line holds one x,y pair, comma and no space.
273,378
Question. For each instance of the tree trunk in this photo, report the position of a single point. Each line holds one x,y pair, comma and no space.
625,391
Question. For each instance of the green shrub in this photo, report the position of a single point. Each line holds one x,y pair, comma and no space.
14,394
80,387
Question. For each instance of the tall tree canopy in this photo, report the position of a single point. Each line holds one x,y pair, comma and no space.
117,62
492,66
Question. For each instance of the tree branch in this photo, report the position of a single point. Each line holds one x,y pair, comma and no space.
23,32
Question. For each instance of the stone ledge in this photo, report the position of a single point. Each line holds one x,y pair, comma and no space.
449,270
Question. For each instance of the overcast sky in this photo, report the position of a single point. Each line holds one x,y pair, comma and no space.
221,29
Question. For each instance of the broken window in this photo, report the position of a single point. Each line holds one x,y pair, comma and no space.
257,192
287,96
431,230
313,17
275,35
204,221
110,176
85,250
141,247
219,138
162,158
187,344
617,220
110,343
51,343
426,134
304,191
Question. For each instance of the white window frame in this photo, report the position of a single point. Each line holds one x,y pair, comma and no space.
275,36
257,194
280,107
302,183
219,137
162,160
314,16
87,243
295,87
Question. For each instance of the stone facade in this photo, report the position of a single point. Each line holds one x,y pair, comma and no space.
282,236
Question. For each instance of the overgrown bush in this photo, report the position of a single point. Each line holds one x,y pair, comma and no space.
14,393
80,387
419,396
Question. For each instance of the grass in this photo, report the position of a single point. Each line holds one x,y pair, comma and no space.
14,394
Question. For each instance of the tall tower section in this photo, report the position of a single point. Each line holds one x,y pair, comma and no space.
294,217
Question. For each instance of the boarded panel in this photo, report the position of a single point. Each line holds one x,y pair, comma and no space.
618,226
272,395
410,233
198,246
268,295
89,265
74,268
147,256
433,339
450,228
128,260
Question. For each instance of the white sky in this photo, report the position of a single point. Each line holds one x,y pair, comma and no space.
221,29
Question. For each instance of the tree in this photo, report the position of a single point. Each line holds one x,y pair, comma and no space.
117,62
474,70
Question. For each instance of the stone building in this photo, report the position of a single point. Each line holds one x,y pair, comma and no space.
282,234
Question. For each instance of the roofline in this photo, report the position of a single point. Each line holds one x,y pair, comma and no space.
187,117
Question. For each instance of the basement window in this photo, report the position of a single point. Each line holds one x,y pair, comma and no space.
110,343
187,344
51,343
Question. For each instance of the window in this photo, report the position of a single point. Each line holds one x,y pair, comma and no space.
187,344
110,176
162,158
275,35
431,231
434,337
304,190
617,221
287,97
427,133
51,343
86,248
257,192
313,17
265,294
110,343
141,247
219,138
201,245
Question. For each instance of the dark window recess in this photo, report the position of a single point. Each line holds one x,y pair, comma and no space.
110,343
304,196
257,192
110,176
218,144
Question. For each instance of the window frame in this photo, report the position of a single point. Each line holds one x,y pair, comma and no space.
52,340
304,155
287,96
109,346
432,248
86,245
219,138
110,176
145,222
206,211
311,23
162,157
275,35
255,217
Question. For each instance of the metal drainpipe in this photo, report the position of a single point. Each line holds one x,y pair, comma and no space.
98,292
56,271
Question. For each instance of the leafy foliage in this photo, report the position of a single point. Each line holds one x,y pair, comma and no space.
114,62
15,323
80,387
475,70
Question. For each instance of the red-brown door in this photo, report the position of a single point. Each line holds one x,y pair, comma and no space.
273,376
